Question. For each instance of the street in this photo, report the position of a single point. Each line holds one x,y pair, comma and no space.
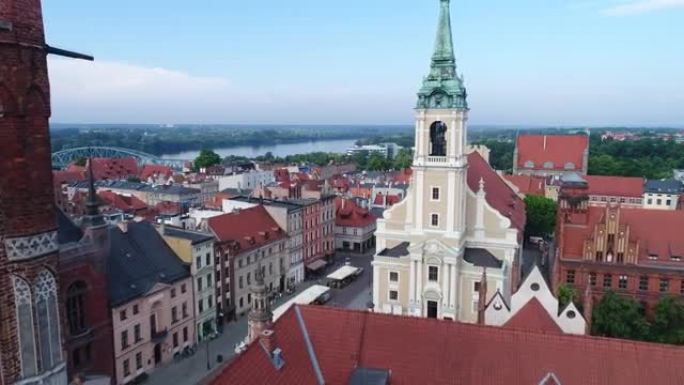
191,370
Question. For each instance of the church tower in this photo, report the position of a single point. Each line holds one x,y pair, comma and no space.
260,316
440,162
31,348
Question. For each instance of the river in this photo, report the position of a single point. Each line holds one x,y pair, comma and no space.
339,146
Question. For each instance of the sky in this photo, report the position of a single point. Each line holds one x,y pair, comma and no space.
525,62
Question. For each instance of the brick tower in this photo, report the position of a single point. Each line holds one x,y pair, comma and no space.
31,349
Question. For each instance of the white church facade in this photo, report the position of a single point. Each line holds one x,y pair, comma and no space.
459,216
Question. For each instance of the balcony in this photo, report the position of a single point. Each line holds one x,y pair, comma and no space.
159,335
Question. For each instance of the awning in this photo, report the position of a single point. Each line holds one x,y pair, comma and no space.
315,265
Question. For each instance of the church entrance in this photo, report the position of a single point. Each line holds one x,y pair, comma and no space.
431,309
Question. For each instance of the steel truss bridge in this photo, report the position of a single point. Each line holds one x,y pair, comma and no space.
61,159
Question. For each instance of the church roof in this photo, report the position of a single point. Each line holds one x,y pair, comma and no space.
533,316
443,352
551,152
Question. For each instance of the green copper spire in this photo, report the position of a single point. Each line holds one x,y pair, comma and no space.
443,88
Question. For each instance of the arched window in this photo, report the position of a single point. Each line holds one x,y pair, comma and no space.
48,320
27,344
75,307
438,139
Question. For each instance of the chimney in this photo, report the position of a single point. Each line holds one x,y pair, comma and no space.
482,298
544,142
268,341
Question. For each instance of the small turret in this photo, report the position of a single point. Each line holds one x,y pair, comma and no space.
260,316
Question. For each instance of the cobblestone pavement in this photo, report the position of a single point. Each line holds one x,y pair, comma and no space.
191,370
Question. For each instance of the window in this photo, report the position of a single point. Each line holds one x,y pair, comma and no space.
185,334
476,286
210,302
570,277
174,315
137,335
653,257
393,295
138,361
249,298
183,289
124,339
198,262
659,201
173,293
675,258
650,201
643,283
607,281
185,310
599,256
175,340
393,276
75,307
200,304
136,310
199,283
242,303
433,273
126,368
27,349
207,259
434,220
681,287
209,280
435,193
122,315
47,317
622,282
592,279
668,202
664,285
620,258
249,278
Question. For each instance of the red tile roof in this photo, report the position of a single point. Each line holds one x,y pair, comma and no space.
250,228
128,204
351,215
362,192
533,317
657,231
114,168
392,199
155,170
59,177
427,351
499,195
557,149
619,186
527,184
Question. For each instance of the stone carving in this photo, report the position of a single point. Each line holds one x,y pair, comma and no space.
31,246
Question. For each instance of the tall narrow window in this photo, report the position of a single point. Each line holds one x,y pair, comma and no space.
27,345
438,139
48,320
75,307
435,193
434,220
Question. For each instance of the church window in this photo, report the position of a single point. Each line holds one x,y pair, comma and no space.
438,139
433,273
570,277
622,282
607,281
47,316
27,346
393,295
393,276
599,256
435,193
75,307
643,283
664,285
434,220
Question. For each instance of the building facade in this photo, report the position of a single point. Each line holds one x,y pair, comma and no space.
354,227
459,216
196,249
151,299
31,337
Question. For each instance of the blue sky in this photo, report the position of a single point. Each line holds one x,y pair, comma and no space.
527,62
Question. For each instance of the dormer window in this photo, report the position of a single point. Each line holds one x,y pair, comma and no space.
569,166
676,258
653,257
548,165
529,164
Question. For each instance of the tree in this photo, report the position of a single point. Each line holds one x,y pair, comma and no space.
403,159
541,215
567,294
378,162
619,317
206,158
668,322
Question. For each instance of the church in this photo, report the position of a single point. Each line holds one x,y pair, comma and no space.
459,222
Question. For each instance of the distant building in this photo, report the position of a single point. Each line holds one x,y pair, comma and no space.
151,299
387,150
663,194
551,154
196,250
249,179
354,227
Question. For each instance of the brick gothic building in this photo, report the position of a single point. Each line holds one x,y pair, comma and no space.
30,315
632,251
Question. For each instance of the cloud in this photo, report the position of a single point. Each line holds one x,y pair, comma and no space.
642,6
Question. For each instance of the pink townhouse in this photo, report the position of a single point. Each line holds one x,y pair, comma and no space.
150,291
